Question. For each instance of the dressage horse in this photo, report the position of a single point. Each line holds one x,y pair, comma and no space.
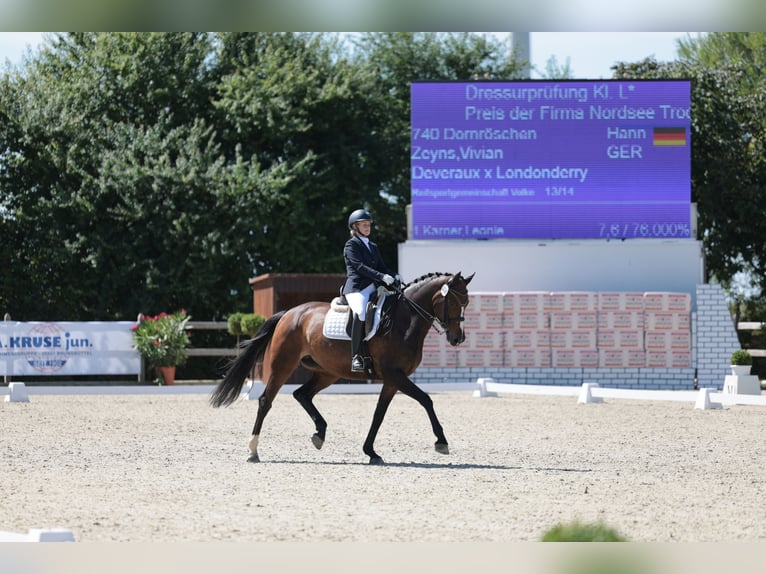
295,337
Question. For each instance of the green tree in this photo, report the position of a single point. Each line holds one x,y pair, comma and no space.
115,190
396,59
285,99
143,172
728,176
744,50
556,71
743,54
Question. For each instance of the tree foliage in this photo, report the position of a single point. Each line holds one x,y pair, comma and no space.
728,177
145,172
396,59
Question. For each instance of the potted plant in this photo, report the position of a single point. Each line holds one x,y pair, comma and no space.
741,361
239,324
234,324
251,322
162,341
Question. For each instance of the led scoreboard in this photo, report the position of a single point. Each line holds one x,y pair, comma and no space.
551,160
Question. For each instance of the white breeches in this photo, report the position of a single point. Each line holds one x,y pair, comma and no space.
358,300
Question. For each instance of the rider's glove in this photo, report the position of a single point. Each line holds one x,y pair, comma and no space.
387,279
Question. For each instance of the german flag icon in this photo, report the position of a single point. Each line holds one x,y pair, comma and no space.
670,136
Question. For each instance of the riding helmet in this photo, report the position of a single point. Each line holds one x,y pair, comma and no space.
357,216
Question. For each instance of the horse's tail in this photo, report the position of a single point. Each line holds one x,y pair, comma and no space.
230,387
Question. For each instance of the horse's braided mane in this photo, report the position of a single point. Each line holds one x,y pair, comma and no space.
426,277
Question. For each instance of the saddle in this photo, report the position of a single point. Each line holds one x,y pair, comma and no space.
337,322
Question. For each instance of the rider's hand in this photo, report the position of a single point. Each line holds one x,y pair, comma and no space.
398,278
387,279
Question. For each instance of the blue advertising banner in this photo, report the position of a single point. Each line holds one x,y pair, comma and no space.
548,160
68,348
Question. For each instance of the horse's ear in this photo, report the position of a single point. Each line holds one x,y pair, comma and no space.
468,279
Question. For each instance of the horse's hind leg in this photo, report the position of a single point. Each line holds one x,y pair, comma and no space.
305,395
275,382
264,406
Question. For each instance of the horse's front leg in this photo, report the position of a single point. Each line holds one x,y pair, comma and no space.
384,399
407,387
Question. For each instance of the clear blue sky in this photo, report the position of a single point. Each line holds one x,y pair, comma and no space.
590,54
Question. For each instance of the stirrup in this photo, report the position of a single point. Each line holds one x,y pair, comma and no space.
357,364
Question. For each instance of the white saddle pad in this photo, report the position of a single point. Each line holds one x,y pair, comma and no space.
335,320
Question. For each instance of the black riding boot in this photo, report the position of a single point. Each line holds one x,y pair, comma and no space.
357,334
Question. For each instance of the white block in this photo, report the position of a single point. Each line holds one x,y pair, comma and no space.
39,535
471,320
573,301
704,402
50,535
620,320
492,320
586,394
620,301
667,321
574,339
486,302
451,357
484,339
674,359
527,339
573,320
527,320
17,393
253,389
666,301
742,385
635,358
434,357
667,340
475,319
528,358
480,357
482,390
525,301
587,358
620,339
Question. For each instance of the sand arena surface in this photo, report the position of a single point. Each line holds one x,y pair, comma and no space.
170,468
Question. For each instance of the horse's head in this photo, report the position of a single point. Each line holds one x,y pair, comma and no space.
449,304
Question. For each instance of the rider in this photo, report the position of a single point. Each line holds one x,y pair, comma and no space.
365,270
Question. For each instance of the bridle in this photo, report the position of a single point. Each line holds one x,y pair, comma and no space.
445,293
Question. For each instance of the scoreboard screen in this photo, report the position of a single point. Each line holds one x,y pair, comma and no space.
551,160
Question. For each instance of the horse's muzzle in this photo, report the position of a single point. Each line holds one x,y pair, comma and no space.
456,340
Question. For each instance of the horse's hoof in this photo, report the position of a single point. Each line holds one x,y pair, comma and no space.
442,448
253,457
376,460
318,441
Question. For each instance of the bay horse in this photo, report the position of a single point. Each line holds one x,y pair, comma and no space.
294,337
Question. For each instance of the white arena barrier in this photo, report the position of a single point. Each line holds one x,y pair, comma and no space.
483,392
586,394
705,398
39,535
704,401
17,393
